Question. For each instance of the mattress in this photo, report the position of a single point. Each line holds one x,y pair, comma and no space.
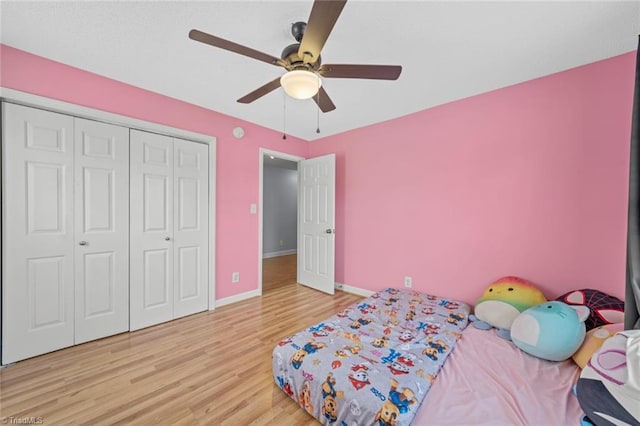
373,362
489,381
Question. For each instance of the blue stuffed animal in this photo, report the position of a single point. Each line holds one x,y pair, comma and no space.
553,330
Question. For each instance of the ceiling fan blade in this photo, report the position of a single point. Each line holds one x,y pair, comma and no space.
260,91
376,72
324,101
234,47
323,17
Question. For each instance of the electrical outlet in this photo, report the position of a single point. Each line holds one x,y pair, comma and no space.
235,277
408,282
281,243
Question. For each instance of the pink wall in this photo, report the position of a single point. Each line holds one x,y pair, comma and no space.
528,180
237,160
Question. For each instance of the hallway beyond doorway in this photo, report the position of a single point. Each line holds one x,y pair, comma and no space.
278,271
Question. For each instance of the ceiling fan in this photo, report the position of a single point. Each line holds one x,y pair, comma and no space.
302,59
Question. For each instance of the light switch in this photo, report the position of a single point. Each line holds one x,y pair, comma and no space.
254,208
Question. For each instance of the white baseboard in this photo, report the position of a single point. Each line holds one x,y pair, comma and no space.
237,298
279,253
355,290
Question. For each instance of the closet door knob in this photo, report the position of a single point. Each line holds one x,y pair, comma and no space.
83,243
167,238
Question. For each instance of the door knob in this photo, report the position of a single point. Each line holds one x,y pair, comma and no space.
329,231
83,243
167,238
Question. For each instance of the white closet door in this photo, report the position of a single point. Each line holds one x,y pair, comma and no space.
151,267
37,273
102,230
191,231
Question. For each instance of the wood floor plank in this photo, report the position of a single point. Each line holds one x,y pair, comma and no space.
209,368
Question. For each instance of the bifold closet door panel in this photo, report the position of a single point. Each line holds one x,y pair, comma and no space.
101,230
151,251
38,197
191,227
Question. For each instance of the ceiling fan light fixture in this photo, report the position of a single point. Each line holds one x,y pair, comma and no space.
300,84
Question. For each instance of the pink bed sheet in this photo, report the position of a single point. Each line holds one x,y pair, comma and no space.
489,381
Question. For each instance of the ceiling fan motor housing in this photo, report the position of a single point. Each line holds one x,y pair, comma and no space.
290,55
297,30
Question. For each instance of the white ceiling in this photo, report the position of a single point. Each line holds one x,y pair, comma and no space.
448,49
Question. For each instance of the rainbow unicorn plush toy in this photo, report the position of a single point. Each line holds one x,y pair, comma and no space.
502,302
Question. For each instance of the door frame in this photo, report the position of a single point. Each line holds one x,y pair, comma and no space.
283,156
41,102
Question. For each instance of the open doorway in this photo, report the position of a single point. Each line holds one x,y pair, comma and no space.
278,219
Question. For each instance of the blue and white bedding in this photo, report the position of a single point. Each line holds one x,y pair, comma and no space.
372,363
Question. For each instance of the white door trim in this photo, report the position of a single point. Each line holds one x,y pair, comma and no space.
36,101
283,156
212,222
41,102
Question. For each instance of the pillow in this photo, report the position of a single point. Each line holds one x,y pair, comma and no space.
604,308
551,330
504,300
608,390
593,340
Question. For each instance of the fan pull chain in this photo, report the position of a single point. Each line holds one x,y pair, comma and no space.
284,116
318,110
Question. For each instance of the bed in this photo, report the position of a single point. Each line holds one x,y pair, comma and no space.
373,362
377,361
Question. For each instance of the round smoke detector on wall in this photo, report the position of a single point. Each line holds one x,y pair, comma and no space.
238,132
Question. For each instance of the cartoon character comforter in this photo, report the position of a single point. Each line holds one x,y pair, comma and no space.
372,363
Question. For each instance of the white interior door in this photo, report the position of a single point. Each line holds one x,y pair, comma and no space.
37,272
316,223
101,230
191,227
151,267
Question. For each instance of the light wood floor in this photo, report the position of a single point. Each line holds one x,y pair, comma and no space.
209,368
278,271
